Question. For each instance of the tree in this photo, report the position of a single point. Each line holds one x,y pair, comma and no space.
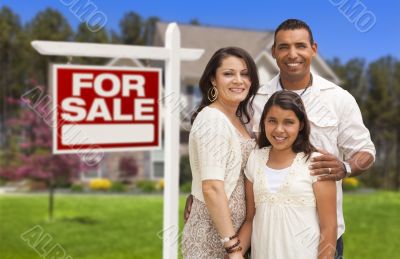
353,77
83,34
12,66
376,88
396,121
131,26
149,30
128,168
33,158
382,116
46,25
194,21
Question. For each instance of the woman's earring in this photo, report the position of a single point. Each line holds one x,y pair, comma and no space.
212,94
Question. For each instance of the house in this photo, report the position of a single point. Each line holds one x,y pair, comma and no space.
257,43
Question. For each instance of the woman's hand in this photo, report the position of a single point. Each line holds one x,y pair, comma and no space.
188,208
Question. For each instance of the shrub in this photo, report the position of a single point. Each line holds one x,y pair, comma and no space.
76,187
350,184
186,187
185,172
2,182
118,187
146,185
100,184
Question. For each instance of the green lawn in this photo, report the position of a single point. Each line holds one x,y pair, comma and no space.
101,226
372,225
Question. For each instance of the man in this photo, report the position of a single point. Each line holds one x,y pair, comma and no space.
337,129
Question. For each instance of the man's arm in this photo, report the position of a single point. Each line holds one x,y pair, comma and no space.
353,140
360,162
330,168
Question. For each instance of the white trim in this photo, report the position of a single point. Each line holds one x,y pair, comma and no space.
64,48
134,61
269,58
327,69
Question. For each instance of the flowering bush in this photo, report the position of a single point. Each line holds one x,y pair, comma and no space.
351,183
160,184
100,184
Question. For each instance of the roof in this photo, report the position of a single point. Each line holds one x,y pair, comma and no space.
211,39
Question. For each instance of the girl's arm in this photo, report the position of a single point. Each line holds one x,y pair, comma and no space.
325,194
246,228
217,205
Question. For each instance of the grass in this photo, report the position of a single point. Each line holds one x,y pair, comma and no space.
97,226
123,226
372,225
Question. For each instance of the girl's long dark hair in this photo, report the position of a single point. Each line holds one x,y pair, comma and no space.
288,100
210,71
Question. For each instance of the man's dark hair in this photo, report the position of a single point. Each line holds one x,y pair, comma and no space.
294,24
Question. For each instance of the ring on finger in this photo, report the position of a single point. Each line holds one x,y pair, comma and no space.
329,170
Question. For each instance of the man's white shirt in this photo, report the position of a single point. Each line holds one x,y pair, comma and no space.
335,120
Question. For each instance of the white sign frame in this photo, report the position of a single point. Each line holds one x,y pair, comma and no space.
172,54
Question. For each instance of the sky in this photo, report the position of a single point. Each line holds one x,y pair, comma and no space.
371,33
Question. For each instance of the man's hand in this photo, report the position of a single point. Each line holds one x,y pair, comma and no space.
188,208
327,166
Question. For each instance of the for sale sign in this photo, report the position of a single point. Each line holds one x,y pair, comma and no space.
105,108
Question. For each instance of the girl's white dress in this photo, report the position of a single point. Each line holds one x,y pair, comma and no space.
285,224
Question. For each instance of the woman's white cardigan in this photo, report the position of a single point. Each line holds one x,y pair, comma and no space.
214,151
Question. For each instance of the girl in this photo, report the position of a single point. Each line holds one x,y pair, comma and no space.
292,214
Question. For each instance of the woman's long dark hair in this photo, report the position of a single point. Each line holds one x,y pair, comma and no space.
288,100
210,71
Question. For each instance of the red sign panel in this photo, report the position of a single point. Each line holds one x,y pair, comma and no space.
106,108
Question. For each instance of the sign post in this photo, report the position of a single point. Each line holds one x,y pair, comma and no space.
171,151
173,54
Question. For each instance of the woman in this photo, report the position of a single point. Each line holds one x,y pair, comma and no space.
295,215
219,145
